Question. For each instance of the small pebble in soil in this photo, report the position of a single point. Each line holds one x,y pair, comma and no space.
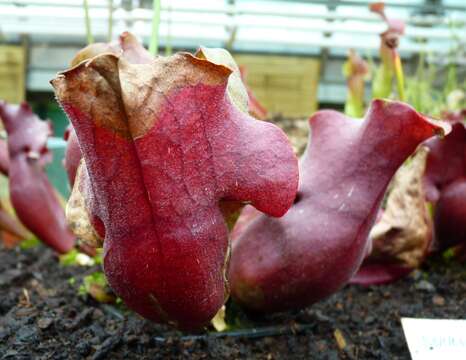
83,348
424,285
438,300
27,334
44,323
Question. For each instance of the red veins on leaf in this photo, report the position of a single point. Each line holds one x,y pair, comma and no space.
316,247
32,196
163,145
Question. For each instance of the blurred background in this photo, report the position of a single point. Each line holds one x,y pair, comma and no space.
292,51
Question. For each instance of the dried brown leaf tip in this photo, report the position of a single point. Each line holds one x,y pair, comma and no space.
402,237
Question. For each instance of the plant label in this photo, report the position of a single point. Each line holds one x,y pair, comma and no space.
430,339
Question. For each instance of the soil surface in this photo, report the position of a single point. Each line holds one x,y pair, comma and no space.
43,317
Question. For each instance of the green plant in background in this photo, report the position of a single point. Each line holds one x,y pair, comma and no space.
422,94
110,20
382,83
154,39
168,42
452,76
87,22
420,91
458,50
390,67
77,258
30,243
96,286
355,69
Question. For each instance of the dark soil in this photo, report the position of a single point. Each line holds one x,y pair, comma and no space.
43,317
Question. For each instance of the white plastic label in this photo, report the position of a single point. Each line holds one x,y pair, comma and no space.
432,339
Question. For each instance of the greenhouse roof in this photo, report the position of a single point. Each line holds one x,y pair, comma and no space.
302,27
